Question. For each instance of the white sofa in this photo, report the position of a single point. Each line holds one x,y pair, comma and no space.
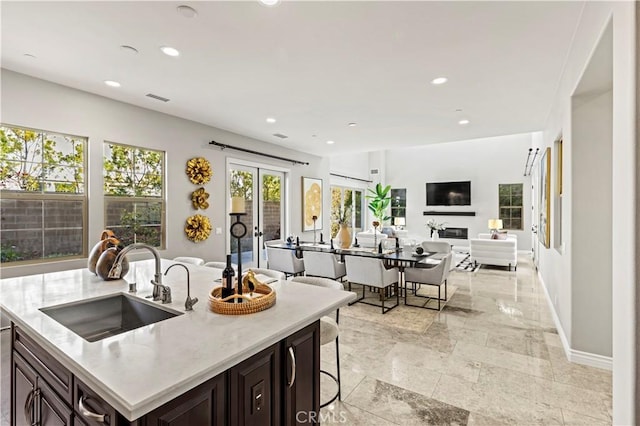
366,238
486,251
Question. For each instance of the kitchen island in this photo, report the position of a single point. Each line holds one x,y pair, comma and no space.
139,371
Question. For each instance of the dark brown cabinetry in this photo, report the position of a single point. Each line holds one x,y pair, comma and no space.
278,386
302,393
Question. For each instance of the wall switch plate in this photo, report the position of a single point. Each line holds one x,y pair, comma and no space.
218,231
257,397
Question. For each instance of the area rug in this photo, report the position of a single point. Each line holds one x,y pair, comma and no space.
466,265
402,317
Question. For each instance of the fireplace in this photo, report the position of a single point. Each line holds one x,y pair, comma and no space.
456,233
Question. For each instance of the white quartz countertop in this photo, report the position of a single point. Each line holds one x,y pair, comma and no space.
142,369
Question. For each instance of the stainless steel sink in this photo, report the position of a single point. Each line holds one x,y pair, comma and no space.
97,319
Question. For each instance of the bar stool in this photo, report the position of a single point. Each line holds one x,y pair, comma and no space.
329,329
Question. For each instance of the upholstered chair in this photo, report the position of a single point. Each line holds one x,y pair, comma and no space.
220,265
322,264
436,276
191,260
269,273
436,246
329,329
371,272
284,260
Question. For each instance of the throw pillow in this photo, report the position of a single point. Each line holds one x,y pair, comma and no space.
501,235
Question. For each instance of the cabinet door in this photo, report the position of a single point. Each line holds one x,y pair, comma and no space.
52,410
204,405
24,385
34,402
302,395
255,386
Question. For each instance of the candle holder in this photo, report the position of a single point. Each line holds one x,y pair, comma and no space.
238,230
314,218
375,235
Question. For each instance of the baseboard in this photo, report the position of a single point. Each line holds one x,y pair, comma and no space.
592,360
573,355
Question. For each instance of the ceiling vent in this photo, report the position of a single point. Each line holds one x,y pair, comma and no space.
280,135
160,98
374,171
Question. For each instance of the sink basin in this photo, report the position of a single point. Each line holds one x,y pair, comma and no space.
97,319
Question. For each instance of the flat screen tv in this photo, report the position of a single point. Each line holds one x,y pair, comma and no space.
449,193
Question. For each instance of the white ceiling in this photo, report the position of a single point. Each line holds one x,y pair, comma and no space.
314,66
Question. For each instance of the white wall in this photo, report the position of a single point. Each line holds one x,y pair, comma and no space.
39,104
485,162
591,285
555,266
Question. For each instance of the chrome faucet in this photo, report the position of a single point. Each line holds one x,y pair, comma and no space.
188,304
160,292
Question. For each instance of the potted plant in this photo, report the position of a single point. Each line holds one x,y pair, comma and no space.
379,202
434,227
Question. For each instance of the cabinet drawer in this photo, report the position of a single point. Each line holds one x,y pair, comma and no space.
55,374
92,403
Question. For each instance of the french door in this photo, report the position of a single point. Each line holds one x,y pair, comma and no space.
264,192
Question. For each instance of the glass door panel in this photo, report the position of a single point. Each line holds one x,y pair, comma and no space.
263,191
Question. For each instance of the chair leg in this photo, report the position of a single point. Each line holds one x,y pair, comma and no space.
445,289
338,365
439,298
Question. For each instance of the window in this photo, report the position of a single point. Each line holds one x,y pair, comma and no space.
510,196
347,200
134,194
42,181
398,204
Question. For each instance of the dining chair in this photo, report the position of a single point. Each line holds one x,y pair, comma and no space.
371,272
435,276
269,273
323,264
220,265
187,259
329,329
284,260
436,246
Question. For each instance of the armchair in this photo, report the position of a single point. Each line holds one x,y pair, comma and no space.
284,260
370,272
436,276
320,264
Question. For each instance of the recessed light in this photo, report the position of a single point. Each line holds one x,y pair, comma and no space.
463,122
129,49
439,80
112,83
270,2
353,124
170,51
187,11
270,120
330,142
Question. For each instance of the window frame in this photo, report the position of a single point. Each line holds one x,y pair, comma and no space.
42,196
140,199
511,206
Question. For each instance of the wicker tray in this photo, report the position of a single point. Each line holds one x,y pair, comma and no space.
263,298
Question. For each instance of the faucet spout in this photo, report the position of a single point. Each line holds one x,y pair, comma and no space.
188,304
160,292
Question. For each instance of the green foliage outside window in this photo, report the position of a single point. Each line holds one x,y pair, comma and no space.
42,180
510,205
133,186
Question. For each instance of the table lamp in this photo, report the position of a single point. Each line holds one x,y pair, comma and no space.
494,225
399,222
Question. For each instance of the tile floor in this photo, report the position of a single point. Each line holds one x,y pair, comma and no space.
491,357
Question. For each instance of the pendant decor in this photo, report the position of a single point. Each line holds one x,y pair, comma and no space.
199,199
198,228
199,170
